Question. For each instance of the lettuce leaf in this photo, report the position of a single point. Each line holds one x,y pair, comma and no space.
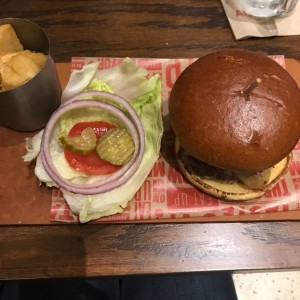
126,80
79,80
98,85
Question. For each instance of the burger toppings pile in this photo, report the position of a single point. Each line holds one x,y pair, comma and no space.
99,146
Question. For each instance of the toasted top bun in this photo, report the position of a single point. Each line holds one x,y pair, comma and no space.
217,121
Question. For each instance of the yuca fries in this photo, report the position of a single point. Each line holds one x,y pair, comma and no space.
16,64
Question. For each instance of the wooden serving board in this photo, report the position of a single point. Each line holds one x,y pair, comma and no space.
23,201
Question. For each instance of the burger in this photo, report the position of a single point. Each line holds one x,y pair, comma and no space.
236,117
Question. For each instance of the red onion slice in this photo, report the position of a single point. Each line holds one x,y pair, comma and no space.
118,178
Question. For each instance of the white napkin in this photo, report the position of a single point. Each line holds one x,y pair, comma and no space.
245,26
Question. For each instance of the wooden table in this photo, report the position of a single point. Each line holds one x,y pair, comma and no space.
143,29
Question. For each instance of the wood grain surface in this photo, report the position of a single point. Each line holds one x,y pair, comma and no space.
152,28
143,29
68,251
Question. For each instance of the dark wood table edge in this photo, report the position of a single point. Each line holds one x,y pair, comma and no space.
128,249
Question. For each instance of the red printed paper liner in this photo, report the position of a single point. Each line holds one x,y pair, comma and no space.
166,194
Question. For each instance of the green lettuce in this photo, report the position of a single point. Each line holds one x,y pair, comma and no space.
98,85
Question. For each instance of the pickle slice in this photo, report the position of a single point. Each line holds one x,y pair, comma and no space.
116,146
85,143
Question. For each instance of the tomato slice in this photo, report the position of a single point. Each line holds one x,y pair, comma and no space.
89,163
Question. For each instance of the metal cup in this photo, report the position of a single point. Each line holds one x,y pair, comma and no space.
29,106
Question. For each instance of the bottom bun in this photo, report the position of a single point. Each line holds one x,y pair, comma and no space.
234,191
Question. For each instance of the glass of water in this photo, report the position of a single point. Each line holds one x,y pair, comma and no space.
268,8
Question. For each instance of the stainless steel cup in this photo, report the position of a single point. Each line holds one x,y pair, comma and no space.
29,106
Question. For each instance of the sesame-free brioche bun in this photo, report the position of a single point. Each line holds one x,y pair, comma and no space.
236,110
